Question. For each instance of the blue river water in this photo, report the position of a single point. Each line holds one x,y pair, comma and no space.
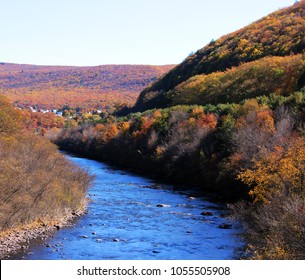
130,217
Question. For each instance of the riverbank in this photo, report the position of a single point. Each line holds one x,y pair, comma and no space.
152,171
126,220
17,240
180,145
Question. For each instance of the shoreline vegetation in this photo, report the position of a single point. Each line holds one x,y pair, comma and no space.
39,187
253,154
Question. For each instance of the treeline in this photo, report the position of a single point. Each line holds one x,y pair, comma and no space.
251,150
37,184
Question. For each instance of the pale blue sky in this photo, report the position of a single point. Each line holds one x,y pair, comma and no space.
95,32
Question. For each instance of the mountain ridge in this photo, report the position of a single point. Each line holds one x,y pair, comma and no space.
280,33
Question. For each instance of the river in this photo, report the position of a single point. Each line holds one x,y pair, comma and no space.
131,217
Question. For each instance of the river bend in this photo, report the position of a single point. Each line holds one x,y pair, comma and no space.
131,217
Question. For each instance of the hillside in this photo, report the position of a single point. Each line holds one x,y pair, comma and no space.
281,76
279,34
86,87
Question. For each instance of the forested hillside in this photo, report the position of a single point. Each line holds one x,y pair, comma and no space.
281,33
276,75
98,87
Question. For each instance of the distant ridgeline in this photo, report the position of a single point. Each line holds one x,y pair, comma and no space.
204,77
98,87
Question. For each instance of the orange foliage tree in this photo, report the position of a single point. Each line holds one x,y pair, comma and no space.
279,172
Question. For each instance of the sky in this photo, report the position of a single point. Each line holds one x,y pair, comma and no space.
97,32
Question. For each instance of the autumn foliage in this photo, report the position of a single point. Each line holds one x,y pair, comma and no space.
279,34
100,87
277,172
165,141
280,76
10,119
36,182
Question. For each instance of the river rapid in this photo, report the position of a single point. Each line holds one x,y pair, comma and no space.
131,217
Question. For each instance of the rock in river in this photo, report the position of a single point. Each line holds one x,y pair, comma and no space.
206,213
163,205
225,226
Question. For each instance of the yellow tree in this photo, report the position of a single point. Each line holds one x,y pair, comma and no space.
10,121
278,172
